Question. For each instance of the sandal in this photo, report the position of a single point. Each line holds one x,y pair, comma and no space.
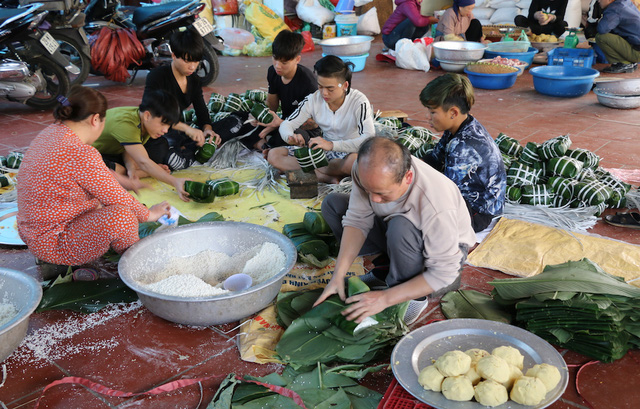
630,220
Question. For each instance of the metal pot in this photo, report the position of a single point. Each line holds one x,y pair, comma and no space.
453,66
346,46
617,101
24,293
617,87
467,51
154,252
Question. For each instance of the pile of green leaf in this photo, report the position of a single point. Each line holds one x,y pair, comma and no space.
323,334
313,239
146,228
320,388
575,305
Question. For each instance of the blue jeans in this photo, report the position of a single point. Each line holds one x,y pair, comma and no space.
406,29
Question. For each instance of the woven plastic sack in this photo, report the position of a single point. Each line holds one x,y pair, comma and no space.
529,155
588,158
564,166
310,159
520,174
554,147
508,145
266,21
537,195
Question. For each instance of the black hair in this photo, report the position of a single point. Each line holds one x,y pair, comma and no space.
393,156
187,45
81,103
287,45
161,104
449,90
331,66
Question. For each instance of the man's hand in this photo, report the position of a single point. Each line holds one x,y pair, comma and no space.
268,128
335,286
195,135
296,139
179,186
158,210
209,135
365,305
319,142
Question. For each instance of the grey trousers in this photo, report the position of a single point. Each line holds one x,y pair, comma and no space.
397,237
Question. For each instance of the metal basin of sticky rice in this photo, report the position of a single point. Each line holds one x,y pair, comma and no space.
154,252
24,293
619,87
468,51
346,45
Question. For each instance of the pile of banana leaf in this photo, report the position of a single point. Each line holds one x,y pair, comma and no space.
319,388
575,305
323,334
313,239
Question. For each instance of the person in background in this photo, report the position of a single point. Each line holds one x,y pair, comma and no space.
289,84
181,81
343,114
466,153
403,208
545,17
132,144
458,24
71,208
619,35
406,22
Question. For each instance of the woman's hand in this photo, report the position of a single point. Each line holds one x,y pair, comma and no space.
212,136
196,135
319,142
158,210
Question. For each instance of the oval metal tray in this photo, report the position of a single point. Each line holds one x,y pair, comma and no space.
421,347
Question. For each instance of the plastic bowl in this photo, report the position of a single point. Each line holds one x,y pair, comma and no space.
453,66
560,81
358,61
526,57
491,81
24,293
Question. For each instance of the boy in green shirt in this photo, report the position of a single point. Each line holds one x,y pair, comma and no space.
131,141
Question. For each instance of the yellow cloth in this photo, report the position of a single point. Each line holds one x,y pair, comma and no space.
523,249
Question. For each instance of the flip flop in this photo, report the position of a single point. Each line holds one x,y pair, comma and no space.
630,220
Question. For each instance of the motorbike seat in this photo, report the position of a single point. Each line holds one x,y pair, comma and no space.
6,14
144,15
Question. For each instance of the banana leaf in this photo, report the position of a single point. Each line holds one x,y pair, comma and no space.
472,304
86,296
147,228
315,223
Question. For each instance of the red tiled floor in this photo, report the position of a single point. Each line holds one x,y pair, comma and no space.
136,351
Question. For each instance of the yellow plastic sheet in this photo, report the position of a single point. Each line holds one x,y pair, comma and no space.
523,249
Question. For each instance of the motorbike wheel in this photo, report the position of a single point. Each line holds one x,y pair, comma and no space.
70,48
209,66
57,83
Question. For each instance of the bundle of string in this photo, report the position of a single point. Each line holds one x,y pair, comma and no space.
114,50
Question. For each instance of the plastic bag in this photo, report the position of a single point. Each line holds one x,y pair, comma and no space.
368,23
258,49
412,56
266,21
308,42
235,37
312,12
223,7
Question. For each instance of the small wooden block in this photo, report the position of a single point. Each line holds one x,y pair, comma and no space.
302,185
394,114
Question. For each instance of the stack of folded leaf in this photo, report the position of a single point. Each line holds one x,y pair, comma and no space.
576,305
313,239
552,174
322,334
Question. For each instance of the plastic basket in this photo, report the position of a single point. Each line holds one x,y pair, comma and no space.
396,397
571,57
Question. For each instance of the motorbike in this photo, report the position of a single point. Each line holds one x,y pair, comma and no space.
32,68
153,26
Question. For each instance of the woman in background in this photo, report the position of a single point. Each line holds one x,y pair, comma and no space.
406,22
458,23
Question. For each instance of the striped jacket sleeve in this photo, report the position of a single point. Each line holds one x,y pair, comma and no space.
297,118
365,125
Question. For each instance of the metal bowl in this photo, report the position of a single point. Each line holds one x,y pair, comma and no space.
453,66
153,252
617,101
629,86
467,51
24,293
346,45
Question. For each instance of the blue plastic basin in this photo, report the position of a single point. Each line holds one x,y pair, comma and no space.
357,60
561,81
524,57
491,81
